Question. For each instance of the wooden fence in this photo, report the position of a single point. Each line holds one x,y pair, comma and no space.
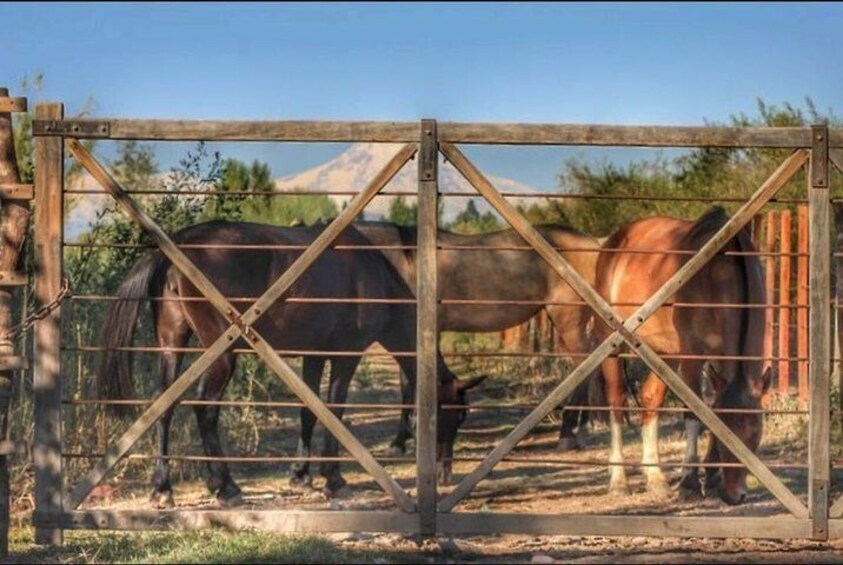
426,511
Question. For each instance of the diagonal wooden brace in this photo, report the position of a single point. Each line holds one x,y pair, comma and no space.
167,399
602,308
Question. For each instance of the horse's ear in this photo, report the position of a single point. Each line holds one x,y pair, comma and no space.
766,380
462,386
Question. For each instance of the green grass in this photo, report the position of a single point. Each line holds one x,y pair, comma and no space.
209,546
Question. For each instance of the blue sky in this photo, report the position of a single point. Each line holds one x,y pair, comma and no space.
644,63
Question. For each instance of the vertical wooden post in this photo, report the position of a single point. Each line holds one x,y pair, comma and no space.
428,330
14,226
770,287
820,327
49,156
784,301
802,303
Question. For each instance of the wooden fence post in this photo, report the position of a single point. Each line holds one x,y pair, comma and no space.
784,302
820,366
428,328
14,226
49,155
802,305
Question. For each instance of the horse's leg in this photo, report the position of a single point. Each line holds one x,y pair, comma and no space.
172,332
572,338
405,425
211,388
312,368
615,397
689,484
573,420
652,397
342,369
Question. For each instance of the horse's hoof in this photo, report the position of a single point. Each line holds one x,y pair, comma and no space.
162,500
568,444
394,451
687,494
334,486
231,502
619,490
659,488
302,482
342,492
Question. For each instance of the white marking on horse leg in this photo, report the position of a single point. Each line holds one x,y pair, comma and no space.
656,481
617,473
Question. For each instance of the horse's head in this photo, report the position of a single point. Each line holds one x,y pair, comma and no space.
452,393
745,391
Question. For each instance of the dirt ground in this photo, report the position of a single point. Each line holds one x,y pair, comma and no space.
521,487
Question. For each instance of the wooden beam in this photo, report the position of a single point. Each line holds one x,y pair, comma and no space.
8,447
13,279
12,104
819,460
639,136
782,174
49,175
475,523
453,132
16,191
278,521
228,130
427,334
784,301
802,302
836,511
13,363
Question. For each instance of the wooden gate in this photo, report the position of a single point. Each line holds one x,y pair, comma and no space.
427,513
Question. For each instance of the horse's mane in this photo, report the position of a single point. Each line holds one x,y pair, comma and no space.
705,226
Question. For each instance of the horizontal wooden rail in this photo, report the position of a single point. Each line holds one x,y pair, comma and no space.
389,406
12,104
246,459
449,132
231,130
17,192
13,279
13,363
460,523
634,135
279,521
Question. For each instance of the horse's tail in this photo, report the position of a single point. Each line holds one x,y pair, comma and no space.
114,379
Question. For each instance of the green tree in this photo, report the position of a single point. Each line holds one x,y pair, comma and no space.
402,213
471,221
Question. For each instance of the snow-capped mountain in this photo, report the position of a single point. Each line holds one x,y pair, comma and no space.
356,167
352,170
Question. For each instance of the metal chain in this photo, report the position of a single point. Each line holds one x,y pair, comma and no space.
20,330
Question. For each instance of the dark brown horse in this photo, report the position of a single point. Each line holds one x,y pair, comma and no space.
350,326
704,333
521,277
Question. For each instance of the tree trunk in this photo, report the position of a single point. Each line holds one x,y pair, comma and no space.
14,224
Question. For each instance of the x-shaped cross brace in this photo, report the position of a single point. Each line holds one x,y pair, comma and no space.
624,330
241,326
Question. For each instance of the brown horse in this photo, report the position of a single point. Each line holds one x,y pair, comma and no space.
505,274
705,333
345,274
